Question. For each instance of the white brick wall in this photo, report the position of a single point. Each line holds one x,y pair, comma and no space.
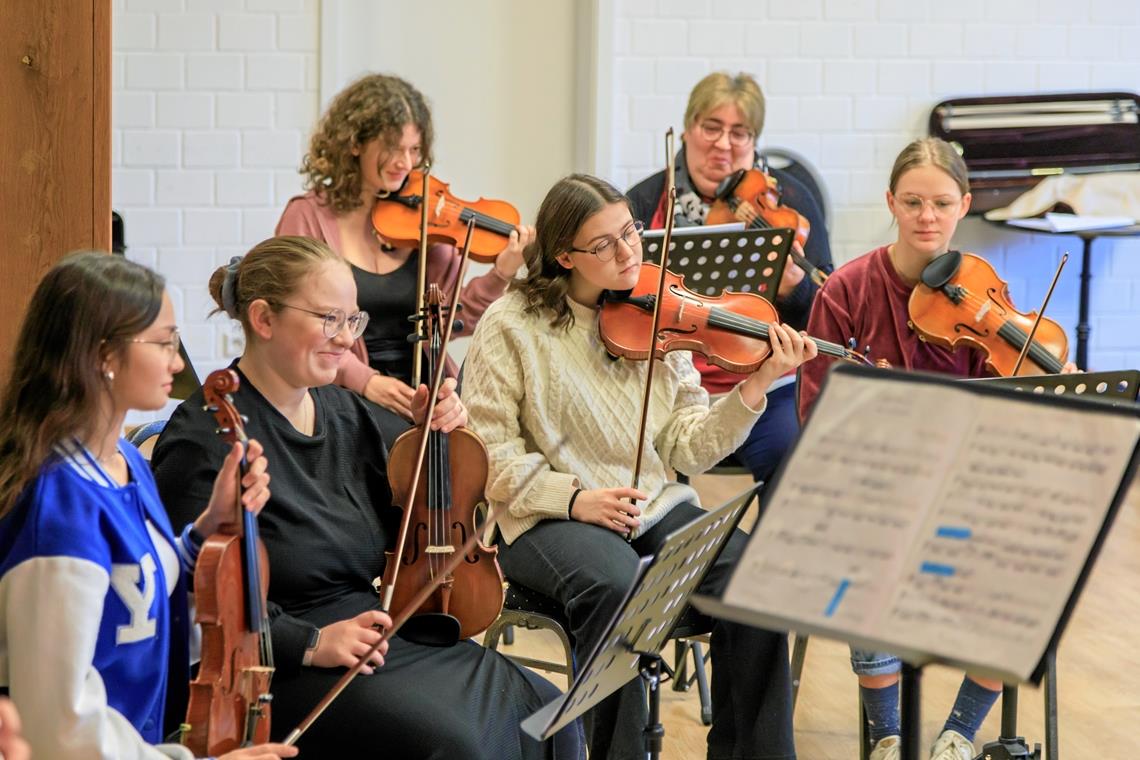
213,102
849,82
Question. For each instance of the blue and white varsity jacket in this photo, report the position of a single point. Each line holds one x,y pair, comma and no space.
92,610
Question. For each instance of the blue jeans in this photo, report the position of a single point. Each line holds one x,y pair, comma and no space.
772,435
587,569
866,662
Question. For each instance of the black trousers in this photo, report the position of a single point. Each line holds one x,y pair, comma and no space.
588,570
429,703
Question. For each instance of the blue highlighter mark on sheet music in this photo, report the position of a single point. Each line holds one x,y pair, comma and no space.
953,531
933,568
836,598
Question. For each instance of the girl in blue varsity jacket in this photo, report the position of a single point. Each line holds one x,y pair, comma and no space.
93,607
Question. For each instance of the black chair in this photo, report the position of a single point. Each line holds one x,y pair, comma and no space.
799,167
527,608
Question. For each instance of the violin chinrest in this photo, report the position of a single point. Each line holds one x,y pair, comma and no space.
940,271
728,184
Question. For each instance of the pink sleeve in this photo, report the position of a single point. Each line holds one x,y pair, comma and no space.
300,218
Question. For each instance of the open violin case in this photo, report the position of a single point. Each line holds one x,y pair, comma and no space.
1011,142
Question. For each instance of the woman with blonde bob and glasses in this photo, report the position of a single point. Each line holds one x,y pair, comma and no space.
928,194
94,627
327,526
544,394
723,120
375,132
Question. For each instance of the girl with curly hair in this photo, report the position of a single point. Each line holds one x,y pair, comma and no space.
374,133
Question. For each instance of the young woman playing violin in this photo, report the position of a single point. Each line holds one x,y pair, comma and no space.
536,372
373,135
868,298
723,119
93,580
328,523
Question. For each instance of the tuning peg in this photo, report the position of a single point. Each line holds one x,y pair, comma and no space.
458,324
415,338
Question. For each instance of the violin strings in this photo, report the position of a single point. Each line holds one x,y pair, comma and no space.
1011,332
720,317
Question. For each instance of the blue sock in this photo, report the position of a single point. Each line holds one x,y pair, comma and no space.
882,708
970,708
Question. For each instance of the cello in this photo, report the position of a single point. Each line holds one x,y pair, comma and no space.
229,699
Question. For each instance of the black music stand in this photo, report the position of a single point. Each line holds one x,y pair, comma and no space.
639,629
895,536
724,257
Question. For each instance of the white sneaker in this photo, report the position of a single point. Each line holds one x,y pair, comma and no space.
951,745
887,748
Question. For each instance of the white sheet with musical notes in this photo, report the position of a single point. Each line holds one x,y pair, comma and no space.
926,518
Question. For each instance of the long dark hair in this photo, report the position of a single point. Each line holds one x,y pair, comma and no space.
564,210
83,311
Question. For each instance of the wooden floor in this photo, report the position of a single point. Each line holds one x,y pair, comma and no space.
1098,670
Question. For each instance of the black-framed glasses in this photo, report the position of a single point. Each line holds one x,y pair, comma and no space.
335,320
737,136
607,248
171,344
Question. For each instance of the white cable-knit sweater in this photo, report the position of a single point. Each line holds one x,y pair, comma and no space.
527,385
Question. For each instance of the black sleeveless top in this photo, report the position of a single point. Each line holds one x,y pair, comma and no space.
389,300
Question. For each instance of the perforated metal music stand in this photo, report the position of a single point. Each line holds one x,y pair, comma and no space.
715,259
1115,387
641,626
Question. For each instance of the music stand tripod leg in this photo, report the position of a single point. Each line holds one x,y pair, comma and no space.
911,712
649,666
1052,743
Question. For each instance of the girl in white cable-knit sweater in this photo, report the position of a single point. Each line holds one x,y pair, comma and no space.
537,373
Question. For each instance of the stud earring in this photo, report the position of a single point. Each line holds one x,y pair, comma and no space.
110,375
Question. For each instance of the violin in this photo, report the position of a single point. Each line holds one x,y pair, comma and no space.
752,196
961,300
397,218
440,518
731,330
229,699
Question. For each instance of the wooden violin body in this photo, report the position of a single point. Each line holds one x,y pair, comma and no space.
731,330
962,301
231,677
397,217
753,196
229,703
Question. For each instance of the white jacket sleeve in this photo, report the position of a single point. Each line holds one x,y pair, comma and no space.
51,607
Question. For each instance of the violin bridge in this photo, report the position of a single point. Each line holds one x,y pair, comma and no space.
982,312
440,550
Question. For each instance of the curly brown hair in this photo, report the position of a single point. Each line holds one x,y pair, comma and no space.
567,206
377,105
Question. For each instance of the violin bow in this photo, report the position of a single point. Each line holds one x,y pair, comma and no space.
437,382
421,280
405,614
670,212
422,596
1040,314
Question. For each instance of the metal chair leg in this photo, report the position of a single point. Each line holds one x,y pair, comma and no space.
799,652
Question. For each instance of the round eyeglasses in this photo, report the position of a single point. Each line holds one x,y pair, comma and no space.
737,136
606,249
336,319
171,344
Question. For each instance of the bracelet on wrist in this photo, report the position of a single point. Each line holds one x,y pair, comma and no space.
570,508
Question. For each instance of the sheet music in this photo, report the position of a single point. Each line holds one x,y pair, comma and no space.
936,520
